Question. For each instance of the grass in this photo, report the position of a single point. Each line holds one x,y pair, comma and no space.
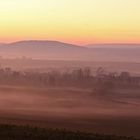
14,132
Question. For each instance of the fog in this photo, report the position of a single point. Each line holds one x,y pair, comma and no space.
71,108
55,50
98,90
63,65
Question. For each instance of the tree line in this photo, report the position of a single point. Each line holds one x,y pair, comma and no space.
81,77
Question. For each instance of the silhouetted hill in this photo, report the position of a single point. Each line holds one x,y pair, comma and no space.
43,50
55,50
48,44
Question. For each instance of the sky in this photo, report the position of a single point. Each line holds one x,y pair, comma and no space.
73,21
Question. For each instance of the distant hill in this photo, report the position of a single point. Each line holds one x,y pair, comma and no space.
42,50
48,44
55,50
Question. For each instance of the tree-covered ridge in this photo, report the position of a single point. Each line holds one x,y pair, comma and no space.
13,132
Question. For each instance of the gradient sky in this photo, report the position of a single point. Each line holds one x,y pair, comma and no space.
74,21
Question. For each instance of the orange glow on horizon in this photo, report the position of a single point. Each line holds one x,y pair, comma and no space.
73,21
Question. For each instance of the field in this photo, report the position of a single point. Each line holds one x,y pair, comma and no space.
72,108
13,132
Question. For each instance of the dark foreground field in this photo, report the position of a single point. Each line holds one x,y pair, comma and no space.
13,132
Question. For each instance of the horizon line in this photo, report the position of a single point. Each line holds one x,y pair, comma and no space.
88,44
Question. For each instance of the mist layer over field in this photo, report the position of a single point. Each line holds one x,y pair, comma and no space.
60,94
72,108
63,65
